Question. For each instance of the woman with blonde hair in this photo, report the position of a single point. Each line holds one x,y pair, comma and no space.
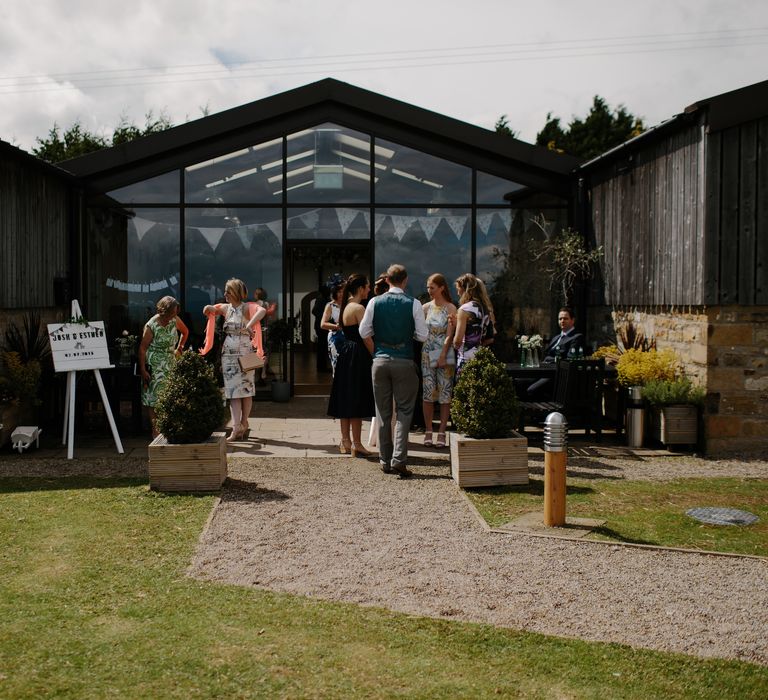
474,316
437,358
239,319
162,341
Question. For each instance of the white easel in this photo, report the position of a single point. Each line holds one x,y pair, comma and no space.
99,362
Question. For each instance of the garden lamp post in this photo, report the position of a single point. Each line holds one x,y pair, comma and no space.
555,459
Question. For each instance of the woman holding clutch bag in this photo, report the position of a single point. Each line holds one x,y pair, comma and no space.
437,358
239,318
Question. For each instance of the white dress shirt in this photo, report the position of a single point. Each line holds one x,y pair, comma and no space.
420,331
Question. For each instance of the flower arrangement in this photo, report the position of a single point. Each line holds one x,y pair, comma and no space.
125,339
637,368
529,342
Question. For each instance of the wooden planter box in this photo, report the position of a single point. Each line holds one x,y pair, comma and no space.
676,425
490,462
198,466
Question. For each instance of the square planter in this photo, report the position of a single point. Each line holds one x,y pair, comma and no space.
676,425
489,462
197,466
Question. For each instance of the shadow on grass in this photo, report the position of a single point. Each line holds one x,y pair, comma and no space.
611,534
535,487
21,484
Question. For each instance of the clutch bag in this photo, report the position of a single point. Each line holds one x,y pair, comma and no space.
250,361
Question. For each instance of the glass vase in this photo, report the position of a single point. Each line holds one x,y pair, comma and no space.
535,362
525,358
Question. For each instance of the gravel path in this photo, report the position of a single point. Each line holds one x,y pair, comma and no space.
339,529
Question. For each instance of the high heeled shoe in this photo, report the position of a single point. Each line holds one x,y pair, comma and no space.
360,452
440,440
245,431
345,447
428,439
235,435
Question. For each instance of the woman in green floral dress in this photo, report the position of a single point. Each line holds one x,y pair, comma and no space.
165,335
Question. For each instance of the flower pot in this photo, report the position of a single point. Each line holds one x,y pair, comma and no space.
197,466
676,425
489,462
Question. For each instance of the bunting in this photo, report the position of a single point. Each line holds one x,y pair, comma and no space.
484,222
346,217
428,225
142,226
457,224
212,236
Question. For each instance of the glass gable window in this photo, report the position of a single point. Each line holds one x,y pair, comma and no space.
223,243
248,175
328,163
491,189
329,223
404,176
425,241
161,189
133,262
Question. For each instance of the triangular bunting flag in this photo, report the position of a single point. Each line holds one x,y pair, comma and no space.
379,220
142,226
245,234
402,224
506,219
212,236
310,219
367,217
346,217
484,222
276,227
428,225
457,224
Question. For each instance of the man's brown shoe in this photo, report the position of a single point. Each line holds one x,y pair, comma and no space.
386,469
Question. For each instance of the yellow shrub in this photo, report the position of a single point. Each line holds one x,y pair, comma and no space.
637,368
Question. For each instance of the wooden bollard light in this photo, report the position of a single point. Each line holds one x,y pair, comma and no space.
555,459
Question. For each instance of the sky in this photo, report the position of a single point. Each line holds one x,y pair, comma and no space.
98,62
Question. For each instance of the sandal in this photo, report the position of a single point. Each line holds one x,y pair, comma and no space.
428,439
440,440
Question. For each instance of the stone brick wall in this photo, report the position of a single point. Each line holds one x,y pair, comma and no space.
726,350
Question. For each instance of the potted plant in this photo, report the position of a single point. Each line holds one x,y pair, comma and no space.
279,338
486,451
674,410
9,410
189,455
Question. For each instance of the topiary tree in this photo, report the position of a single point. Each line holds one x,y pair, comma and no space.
189,407
484,403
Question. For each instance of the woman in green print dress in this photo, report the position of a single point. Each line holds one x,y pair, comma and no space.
163,340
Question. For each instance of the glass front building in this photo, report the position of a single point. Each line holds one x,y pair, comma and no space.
250,211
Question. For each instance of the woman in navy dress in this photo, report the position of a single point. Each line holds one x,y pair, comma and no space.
352,389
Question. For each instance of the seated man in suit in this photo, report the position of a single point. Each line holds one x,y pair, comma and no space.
568,338
558,348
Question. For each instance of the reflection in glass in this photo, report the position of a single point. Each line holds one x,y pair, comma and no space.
156,190
517,281
133,260
328,163
248,175
224,243
410,176
320,223
491,189
425,241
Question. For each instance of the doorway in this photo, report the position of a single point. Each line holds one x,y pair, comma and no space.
310,265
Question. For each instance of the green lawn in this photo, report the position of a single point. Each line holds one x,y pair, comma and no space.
94,603
645,512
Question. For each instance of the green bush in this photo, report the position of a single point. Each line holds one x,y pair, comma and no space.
484,403
21,378
190,406
678,391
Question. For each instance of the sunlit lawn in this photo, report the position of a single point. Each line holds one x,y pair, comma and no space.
94,603
646,512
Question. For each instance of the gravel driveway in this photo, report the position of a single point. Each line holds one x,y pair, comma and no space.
339,529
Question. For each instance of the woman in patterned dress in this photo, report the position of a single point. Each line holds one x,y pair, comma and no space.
239,386
437,358
163,340
475,313
330,322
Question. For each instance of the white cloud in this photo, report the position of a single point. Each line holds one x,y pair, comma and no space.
189,53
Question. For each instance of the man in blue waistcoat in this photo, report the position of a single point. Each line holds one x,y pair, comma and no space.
394,320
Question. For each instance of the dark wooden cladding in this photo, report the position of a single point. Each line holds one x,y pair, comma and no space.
647,214
684,221
34,240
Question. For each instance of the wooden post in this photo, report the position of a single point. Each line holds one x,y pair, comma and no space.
554,488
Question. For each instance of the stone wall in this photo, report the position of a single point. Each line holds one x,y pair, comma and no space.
725,349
